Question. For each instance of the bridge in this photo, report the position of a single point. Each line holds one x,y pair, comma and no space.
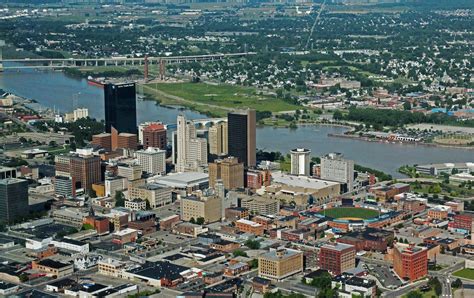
111,61
200,122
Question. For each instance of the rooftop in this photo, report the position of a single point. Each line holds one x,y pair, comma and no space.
280,254
159,270
249,222
337,246
301,181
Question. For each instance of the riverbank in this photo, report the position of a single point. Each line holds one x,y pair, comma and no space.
375,140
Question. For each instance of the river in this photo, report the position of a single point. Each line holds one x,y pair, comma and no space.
55,90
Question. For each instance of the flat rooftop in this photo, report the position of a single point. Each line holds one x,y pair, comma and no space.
301,181
183,178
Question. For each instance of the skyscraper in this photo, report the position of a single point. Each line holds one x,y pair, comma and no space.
242,137
191,151
13,199
120,107
218,139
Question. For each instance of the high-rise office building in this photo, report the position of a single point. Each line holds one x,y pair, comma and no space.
152,160
13,199
218,139
154,135
191,151
241,134
229,170
120,107
82,166
300,161
335,167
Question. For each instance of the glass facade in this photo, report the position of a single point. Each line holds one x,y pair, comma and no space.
120,107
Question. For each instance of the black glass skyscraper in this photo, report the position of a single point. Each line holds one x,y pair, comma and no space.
120,107
13,199
241,136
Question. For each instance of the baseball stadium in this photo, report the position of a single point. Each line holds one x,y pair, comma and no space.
349,218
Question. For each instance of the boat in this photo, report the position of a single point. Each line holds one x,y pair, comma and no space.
95,82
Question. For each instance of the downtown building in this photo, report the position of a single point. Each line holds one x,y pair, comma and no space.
218,139
154,135
82,167
13,199
229,170
152,160
410,262
241,134
335,167
189,151
337,257
280,263
300,161
120,108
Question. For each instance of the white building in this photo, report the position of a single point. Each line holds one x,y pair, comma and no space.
335,168
135,204
72,245
300,161
152,160
191,151
114,184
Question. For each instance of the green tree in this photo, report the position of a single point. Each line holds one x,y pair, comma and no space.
119,199
200,220
414,294
252,244
192,220
337,115
87,226
239,253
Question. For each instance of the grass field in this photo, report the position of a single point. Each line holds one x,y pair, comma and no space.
350,212
220,96
465,273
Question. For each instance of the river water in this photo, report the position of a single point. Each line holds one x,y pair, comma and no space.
53,89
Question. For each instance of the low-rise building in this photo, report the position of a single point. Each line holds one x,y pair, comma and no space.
248,226
125,236
111,267
156,195
53,268
280,264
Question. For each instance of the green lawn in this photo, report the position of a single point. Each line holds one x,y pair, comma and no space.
223,95
465,273
350,212
430,294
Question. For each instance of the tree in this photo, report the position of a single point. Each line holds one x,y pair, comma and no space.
253,264
414,294
87,226
407,106
192,220
337,115
252,244
200,220
436,285
456,284
119,199
239,253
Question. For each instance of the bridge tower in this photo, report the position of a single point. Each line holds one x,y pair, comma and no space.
2,44
162,69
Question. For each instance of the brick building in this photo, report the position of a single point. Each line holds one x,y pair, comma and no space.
410,262
337,257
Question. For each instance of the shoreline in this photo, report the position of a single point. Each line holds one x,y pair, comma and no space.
401,143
